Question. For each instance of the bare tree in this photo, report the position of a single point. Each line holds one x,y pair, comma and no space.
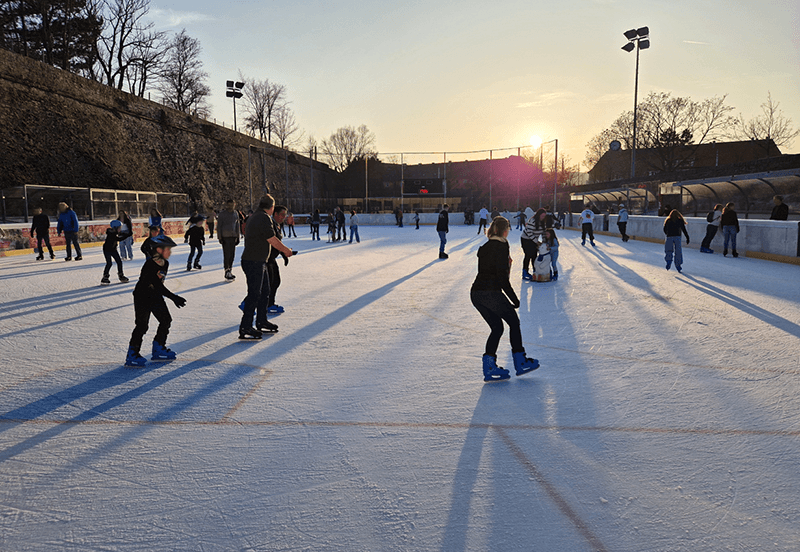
262,99
146,61
182,81
123,38
598,146
770,125
285,128
347,144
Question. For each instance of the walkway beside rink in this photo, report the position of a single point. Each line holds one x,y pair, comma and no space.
665,415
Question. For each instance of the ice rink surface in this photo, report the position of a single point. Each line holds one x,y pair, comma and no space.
665,416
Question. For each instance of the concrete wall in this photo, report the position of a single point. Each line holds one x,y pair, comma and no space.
387,219
770,237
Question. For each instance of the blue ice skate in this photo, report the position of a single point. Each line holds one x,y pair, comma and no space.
526,275
275,309
669,265
491,371
523,364
160,352
241,306
134,359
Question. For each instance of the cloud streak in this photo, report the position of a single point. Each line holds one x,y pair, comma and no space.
548,98
173,18
695,42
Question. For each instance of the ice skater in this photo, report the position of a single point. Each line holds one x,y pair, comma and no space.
315,222
155,219
711,230
211,222
148,298
622,222
674,225
729,221
68,223
195,236
259,240
354,227
530,239
114,235
273,270
331,228
41,228
126,245
483,218
587,225
416,219
228,232
290,225
443,228
340,222
551,240
520,216
495,300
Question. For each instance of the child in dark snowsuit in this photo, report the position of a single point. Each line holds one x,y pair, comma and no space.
41,227
147,245
148,298
195,236
495,300
114,235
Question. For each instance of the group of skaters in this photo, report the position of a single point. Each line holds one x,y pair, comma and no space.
337,221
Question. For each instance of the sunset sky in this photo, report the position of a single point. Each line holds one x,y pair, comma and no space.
435,75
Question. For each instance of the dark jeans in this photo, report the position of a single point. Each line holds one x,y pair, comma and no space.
228,252
143,307
481,225
257,293
315,231
342,235
192,249
531,250
623,229
494,307
291,231
442,240
274,273
587,228
211,229
109,256
711,231
72,239
46,239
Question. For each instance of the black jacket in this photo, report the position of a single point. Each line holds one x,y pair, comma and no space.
274,253
196,235
41,224
493,269
151,282
729,218
780,212
113,238
443,224
673,228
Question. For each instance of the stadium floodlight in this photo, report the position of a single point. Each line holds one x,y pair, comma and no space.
234,90
638,39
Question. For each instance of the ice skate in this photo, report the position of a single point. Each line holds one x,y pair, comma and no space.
52,256
735,254
491,371
249,333
189,267
526,275
583,242
123,278
275,309
669,265
523,364
160,352
267,327
67,258
724,252
594,244
134,359
443,255
554,277
40,258
105,281
197,266
229,275
79,258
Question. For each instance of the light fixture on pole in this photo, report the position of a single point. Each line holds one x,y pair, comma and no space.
234,91
638,39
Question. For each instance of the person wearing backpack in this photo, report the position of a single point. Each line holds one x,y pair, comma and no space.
729,222
711,230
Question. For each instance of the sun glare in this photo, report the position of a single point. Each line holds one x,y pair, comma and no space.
536,141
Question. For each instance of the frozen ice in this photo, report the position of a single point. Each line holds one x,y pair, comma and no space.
665,415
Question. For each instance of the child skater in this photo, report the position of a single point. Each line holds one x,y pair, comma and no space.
41,226
331,228
552,243
494,265
195,236
114,235
148,298
315,220
147,245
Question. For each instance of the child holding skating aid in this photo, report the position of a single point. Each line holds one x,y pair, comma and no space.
487,294
114,235
552,243
148,298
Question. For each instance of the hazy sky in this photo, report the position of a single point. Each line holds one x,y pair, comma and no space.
436,75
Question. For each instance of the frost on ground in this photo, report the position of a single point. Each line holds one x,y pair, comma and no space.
665,415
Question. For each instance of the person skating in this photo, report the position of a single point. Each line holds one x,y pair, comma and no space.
211,222
483,218
711,229
331,228
126,245
195,236
290,225
341,234
155,219
495,300
315,222
273,270
258,243
68,223
148,298
781,210
114,235
674,225
551,240
416,219
354,227
534,229
442,228
622,222
148,244
228,232
520,219
40,227
587,225
729,221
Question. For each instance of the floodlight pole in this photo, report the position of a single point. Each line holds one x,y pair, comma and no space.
555,178
635,107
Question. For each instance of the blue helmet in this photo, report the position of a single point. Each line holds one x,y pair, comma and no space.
162,240
116,223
